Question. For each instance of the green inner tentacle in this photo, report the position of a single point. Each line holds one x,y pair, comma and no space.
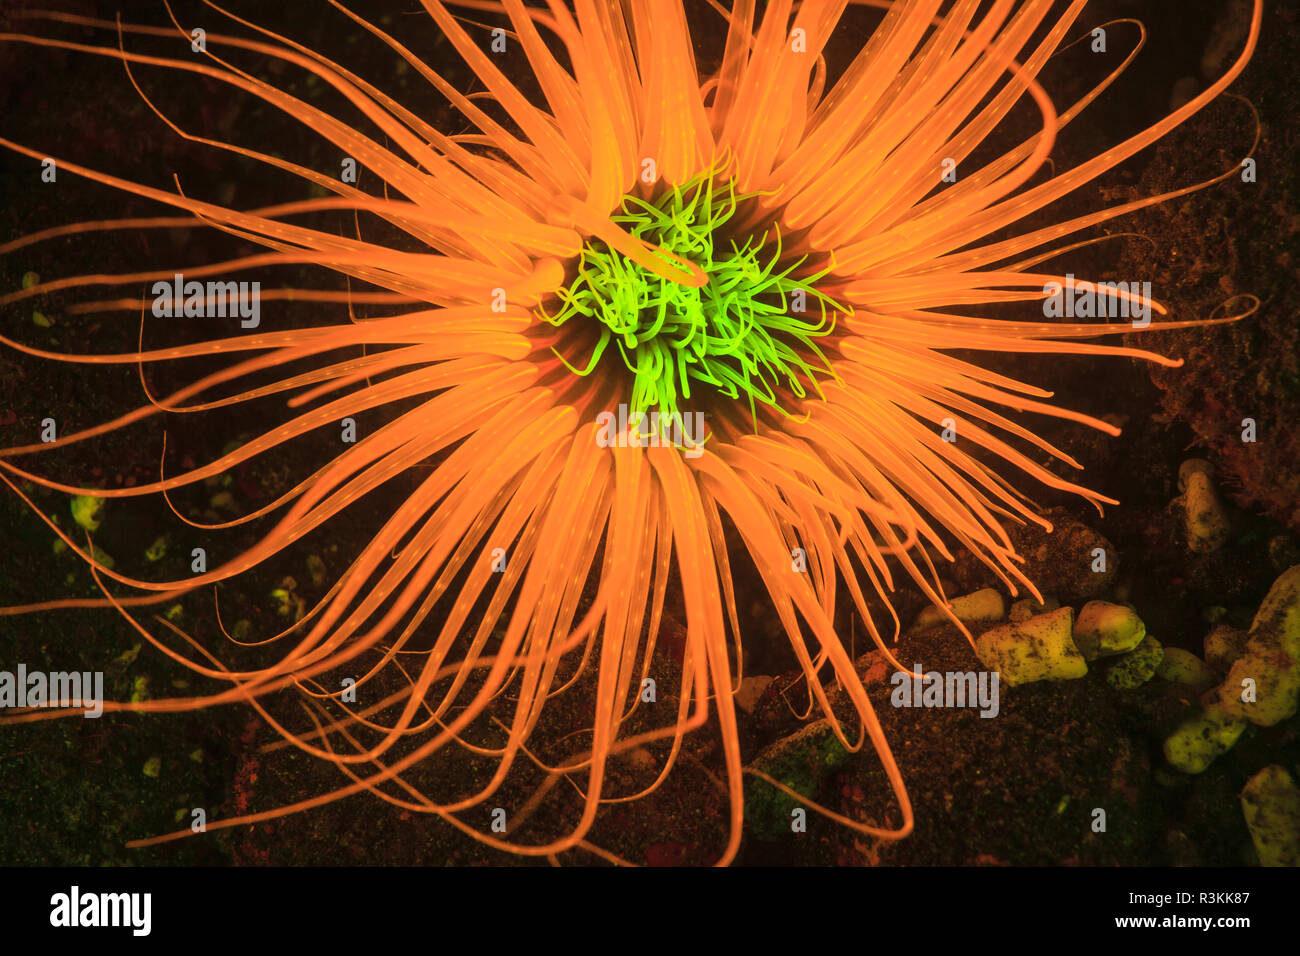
750,332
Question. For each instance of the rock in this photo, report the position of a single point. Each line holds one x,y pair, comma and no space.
1039,648
1277,623
1270,803
801,762
87,511
1184,90
982,607
1283,551
1223,645
1082,563
1072,562
1204,517
1263,684
1183,667
1024,609
751,691
1105,629
1263,687
1138,666
1198,740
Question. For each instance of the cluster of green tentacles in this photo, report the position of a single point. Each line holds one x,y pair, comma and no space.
749,332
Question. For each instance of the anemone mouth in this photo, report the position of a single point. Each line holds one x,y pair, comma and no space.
751,340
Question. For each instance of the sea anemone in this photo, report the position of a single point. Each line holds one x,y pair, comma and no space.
632,315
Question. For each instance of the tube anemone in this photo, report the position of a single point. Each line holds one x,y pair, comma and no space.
791,255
